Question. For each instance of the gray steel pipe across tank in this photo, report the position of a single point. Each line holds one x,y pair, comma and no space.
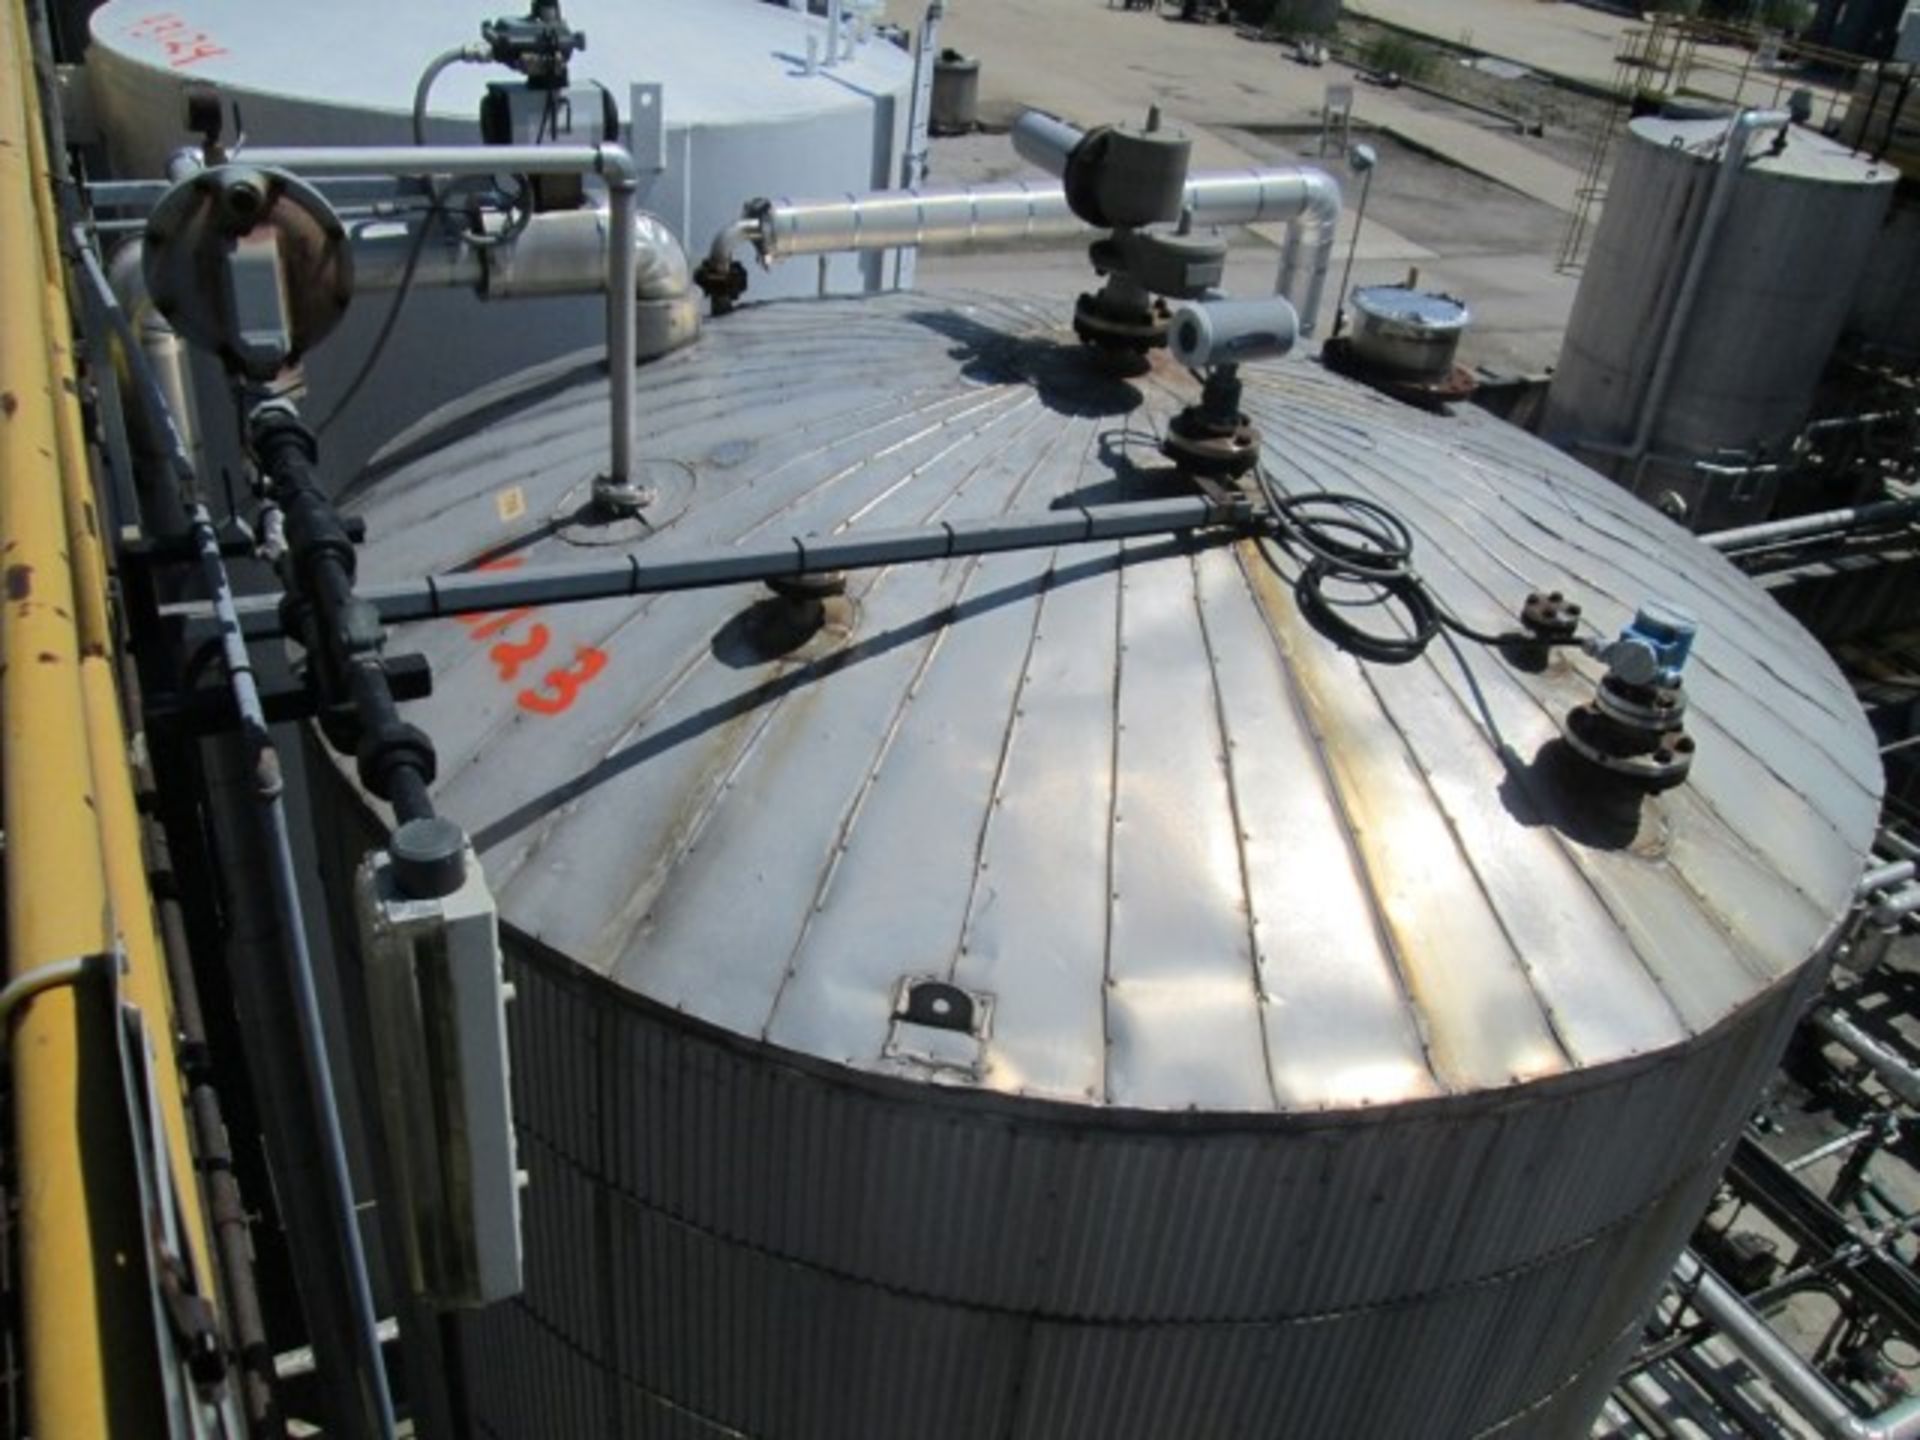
472,592
1783,1367
610,162
1305,199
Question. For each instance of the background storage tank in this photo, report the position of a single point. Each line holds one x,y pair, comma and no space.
1059,994
743,117
1776,285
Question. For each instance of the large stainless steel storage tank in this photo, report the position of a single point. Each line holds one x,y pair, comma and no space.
1338,1064
742,117
1775,292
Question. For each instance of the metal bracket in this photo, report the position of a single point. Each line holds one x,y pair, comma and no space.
939,1026
647,131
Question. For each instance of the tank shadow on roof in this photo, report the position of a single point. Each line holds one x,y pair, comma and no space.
1063,374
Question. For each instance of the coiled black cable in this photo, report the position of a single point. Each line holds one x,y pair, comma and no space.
1338,539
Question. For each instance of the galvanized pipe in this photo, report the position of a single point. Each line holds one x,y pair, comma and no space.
1739,132
1826,523
1896,1074
1783,1367
1882,876
1010,211
1896,907
610,162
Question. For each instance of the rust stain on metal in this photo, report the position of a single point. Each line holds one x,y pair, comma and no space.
47,657
19,581
9,403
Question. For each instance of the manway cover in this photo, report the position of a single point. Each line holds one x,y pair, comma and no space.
1172,848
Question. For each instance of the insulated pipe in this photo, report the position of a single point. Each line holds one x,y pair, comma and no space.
1898,1076
1739,132
1827,522
557,252
1307,200
610,162
1046,141
167,355
1783,1367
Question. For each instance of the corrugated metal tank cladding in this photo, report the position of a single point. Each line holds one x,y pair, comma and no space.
1775,293
1344,1076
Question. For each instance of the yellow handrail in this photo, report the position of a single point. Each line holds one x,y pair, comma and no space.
75,883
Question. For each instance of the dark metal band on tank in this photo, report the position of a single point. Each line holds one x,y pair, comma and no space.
474,592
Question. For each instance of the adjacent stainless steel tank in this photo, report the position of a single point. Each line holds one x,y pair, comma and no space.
1339,1063
1776,289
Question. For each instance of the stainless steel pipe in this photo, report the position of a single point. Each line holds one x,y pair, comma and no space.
1010,211
1046,140
1894,1073
1783,1367
1825,523
610,162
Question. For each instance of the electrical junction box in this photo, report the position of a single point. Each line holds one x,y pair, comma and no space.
437,998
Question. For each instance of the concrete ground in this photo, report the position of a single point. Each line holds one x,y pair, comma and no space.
1479,209
1572,40
1581,43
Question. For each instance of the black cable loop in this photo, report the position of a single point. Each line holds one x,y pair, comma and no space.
1341,539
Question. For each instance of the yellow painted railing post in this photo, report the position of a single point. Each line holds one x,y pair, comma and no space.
145,984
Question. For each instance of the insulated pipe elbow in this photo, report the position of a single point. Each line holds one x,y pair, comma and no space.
569,253
1309,246
661,270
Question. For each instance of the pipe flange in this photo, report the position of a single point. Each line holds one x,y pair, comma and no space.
1652,763
1651,709
722,282
1203,445
1549,615
1129,333
593,513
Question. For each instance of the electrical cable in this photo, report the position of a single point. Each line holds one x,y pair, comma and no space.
520,214
387,323
422,92
1341,541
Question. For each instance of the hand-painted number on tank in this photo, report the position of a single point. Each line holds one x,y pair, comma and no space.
560,687
510,655
179,42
